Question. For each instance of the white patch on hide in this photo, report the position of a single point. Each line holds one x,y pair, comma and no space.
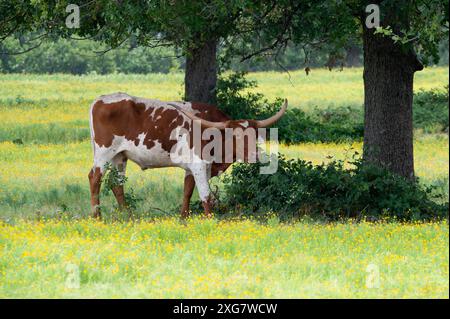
156,156
201,173
91,126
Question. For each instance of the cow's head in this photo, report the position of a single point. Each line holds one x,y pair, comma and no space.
243,132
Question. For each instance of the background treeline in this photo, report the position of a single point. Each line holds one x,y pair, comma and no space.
87,56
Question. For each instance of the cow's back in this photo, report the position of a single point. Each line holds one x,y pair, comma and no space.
125,122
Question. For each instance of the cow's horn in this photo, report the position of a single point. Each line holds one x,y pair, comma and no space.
205,123
273,119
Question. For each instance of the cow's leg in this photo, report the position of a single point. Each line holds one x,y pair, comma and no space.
95,180
189,184
120,163
101,157
201,174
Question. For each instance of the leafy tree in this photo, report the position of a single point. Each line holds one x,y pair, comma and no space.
193,26
407,38
390,61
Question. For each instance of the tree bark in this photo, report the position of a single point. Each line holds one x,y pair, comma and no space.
388,95
200,77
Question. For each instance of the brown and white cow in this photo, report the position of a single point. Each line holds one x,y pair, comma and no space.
124,127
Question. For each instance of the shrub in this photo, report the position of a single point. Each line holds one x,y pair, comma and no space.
328,191
331,125
431,110
112,178
236,102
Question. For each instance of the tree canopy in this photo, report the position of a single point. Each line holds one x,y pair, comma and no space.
407,37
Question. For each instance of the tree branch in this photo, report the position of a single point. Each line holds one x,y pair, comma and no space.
22,52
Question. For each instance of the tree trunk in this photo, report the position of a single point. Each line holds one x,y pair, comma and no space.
388,95
200,77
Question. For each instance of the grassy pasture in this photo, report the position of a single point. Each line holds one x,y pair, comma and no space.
320,88
229,259
46,176
52,178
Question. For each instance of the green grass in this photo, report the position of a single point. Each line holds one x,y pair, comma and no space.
52,179
55,108
210,259
322,88
45,178
49,114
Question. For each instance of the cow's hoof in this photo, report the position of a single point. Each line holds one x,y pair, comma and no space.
96,213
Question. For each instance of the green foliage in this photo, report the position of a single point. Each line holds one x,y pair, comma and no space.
267,25
113,178
292,57
341,123
153,24
321,126
430,110
419,25
329,191
80,57
235,101
295,126
83,57
331,124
